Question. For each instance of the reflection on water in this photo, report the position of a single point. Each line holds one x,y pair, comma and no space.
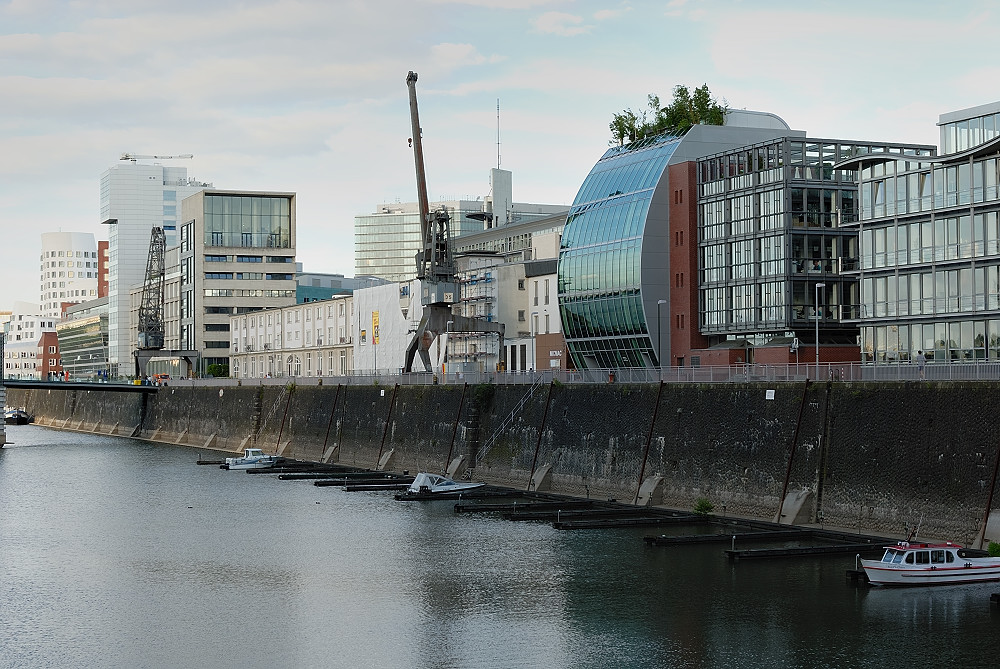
121,553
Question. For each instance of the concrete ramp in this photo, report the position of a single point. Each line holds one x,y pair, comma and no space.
797,508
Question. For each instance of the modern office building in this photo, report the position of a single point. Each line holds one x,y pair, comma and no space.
928,261
774,222
69,271
83,341
386,242
135,197
614,269
236,255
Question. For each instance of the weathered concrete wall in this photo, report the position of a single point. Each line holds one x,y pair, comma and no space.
874,457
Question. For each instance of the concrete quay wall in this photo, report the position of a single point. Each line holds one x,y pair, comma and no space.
875,457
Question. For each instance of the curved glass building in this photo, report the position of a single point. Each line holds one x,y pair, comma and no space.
615,223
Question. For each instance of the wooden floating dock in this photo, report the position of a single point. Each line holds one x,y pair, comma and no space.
524,506
486,492
611,523
802,551
728,537
354,487
859,576
404,481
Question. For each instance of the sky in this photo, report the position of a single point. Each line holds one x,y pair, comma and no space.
310,96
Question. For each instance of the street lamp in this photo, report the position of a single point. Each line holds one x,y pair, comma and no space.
659,337
818,286
533,327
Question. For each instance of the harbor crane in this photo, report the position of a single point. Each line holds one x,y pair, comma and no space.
439,285
134,157
151,328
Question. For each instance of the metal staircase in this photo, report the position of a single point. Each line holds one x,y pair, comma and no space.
485,448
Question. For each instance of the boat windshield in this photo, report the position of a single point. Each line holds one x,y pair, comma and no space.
892,555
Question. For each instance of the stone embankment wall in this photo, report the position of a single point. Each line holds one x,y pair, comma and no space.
875,457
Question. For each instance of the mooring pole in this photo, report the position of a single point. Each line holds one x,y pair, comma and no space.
649,439
791,453
281,429
454,432
333,412
541,429
388,419
989,499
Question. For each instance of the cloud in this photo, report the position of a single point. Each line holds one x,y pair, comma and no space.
558,23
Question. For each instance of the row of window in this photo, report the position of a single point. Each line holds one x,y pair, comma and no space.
940,341
924,242
271,365
943,186
231,292
246,258
249,276
942,291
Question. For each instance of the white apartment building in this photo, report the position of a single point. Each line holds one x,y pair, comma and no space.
24,331
309,339
69,269
136,196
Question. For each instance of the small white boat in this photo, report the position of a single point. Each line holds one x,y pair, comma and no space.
914,563
252,458
424,483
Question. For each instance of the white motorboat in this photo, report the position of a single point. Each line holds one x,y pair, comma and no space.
424,483
252,458
947,563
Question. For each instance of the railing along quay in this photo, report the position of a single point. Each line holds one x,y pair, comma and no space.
739,373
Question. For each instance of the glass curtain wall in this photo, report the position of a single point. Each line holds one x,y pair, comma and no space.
599,258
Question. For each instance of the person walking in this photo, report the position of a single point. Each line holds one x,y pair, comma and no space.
921,360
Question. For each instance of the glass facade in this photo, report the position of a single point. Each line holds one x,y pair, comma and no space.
83,347
599,258
248,220
774,228
929,250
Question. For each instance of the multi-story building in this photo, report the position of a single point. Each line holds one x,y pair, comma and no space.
774,223
69,271
614,261
135,197
236,255
50,367
928,261
21,348
305,339
83,341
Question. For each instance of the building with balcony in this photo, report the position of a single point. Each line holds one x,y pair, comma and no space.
774,224
928,258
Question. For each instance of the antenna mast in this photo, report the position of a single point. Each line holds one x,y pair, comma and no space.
498,133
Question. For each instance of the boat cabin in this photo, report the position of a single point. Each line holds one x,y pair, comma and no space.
920,555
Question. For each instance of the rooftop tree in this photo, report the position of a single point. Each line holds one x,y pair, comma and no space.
687,108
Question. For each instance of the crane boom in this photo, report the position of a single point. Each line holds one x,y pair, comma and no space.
134,157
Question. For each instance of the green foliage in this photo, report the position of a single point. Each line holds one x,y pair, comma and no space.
703,507
994,549
688,108
218,371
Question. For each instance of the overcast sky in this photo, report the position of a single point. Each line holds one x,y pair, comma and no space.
310,96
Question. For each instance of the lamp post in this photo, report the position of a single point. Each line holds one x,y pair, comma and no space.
659,337
818,286
532,326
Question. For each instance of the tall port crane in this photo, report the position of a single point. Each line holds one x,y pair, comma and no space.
151,330
439,286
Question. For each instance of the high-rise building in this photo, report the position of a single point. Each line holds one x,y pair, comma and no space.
135,197
69,271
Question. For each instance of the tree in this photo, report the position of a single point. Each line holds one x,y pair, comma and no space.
687,108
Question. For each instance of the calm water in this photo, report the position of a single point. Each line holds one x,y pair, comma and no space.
120,553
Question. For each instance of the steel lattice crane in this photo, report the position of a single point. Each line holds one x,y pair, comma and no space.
151,329
439,286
